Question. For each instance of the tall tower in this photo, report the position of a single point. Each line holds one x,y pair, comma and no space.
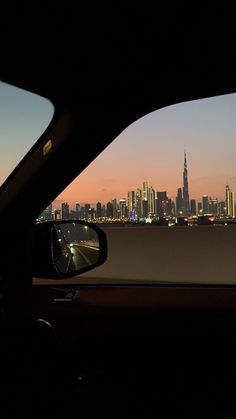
185,187
230,211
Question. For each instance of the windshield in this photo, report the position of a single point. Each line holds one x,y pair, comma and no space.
24,116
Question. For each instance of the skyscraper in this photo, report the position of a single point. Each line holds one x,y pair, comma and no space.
185,187
213,206
114,204
145,191
205,204
123,208
65,210
145,200
230,210
163,204
77,210
193,206
131,201
139,203
109,210
179,202
151,201
98,210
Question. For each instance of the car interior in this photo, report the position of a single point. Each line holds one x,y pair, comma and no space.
107,350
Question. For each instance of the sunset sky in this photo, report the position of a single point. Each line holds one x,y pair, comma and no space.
151,149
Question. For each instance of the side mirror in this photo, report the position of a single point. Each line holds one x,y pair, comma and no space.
62,249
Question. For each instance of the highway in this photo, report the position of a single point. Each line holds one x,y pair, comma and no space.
83,255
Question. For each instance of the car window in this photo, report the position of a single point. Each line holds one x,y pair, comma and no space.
163,192
24,116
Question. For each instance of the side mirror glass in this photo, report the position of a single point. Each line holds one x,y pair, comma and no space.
67,248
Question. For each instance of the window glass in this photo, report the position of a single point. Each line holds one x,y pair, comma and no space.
24,116
164,193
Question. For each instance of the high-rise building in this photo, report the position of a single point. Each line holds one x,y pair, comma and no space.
99,210
185,188
145,208
57,214
139,203
109,210
163,206
131,201
114,205
179,202
199,208
145,191
193,206
87,211
77,210
151,201
123,208
205,205
230,210
65,210
222,209
213,206
82,212
173,209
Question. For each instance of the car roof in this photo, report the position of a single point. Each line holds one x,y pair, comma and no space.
122,54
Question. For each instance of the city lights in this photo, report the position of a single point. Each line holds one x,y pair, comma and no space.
146,205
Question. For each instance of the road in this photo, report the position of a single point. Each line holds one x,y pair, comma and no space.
83,255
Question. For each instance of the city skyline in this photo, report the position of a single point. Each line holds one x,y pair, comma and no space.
183,202
150,148
145,203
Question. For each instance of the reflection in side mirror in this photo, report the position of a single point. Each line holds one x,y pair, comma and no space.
67,248
74,247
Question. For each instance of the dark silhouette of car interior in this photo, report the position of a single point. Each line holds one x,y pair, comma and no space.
112,350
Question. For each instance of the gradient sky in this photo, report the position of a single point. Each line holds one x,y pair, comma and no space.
151,149
23,118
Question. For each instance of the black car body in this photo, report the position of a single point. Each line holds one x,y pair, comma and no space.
113,350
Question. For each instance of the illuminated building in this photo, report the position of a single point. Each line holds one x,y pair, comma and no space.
123,208
185,188
213,206
98,210
139,203
114,205
151,201
163,204
179,202
222,209
109,210
131,201
145,208
205,205
199,208
193,207
57,214
87,211
145,191
230,210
